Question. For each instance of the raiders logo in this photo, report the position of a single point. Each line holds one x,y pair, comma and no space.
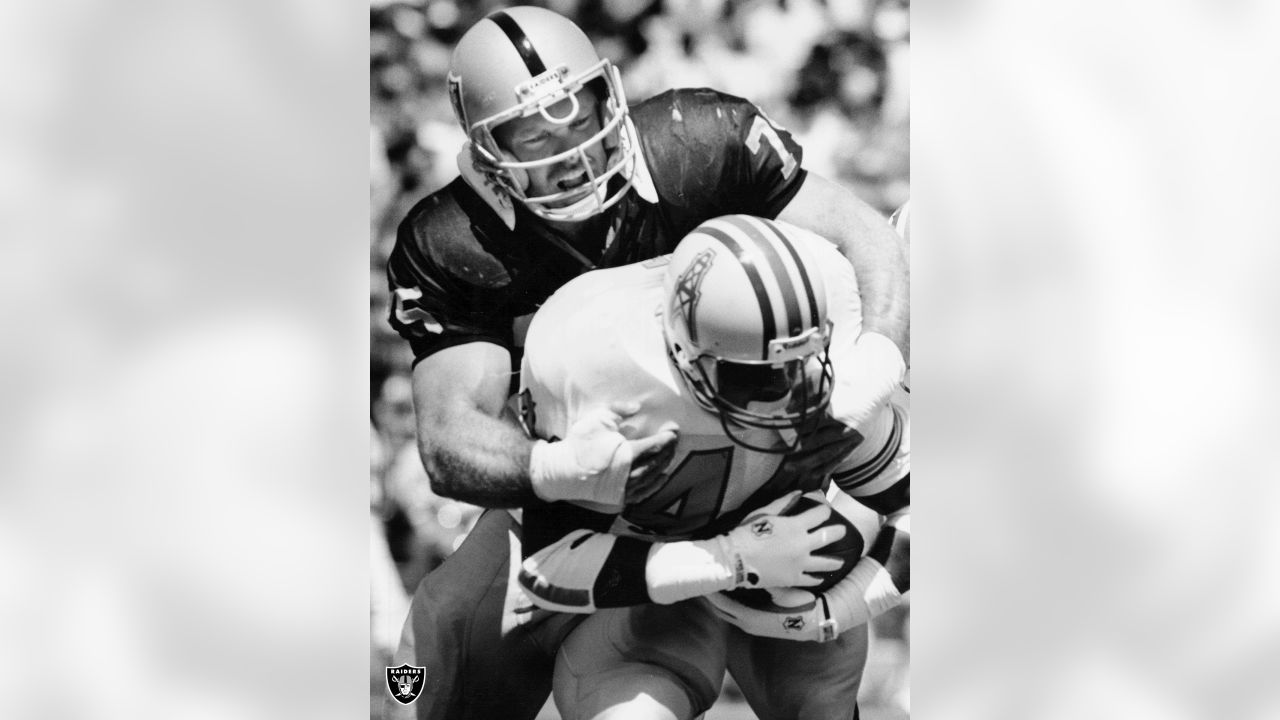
405,682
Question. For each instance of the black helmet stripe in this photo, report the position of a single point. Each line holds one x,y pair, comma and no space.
751,229
748,263
804,275
530,56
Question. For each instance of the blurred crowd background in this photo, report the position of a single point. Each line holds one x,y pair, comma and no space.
1094,271
833,72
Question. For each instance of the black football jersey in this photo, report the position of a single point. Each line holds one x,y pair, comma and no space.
458,274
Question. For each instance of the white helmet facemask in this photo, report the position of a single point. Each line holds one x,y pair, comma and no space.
525,62
616,136
791,395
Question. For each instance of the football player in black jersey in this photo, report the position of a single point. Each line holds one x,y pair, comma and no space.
560,176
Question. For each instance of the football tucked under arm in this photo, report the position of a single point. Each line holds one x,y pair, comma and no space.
584,570
873,586
878,475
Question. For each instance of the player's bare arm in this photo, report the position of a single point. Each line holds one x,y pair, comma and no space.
471,453
868,241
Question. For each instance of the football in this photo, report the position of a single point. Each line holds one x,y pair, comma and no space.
847,549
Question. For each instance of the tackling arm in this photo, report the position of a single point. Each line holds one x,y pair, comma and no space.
473,455
469,452
870,244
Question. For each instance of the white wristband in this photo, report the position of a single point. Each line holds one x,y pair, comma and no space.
866,592
556,474
687,569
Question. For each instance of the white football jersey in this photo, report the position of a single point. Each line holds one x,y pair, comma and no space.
598,340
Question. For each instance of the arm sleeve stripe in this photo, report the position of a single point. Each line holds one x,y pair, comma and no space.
890,499
623,582
849,479
885,484
552,595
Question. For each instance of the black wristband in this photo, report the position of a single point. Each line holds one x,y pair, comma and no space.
622,581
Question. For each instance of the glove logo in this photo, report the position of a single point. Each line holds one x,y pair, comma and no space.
761,528
793,623
405,682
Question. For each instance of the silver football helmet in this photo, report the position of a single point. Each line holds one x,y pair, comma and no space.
524,61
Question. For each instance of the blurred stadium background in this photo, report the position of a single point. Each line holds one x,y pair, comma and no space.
833,72
1094,271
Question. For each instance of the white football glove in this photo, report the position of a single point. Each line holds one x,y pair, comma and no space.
591,463
768,549
863,594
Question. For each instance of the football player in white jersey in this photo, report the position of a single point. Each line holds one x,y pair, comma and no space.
561,174
738,337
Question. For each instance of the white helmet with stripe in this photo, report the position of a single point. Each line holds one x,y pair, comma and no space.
745,320
523,61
